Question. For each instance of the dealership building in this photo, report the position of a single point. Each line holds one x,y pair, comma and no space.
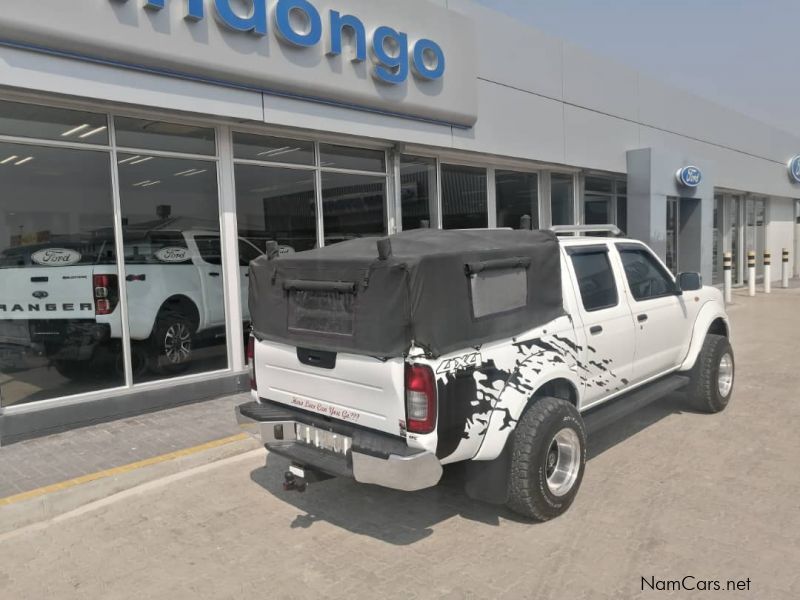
149,149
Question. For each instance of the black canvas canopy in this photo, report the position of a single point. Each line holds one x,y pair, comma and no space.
441,290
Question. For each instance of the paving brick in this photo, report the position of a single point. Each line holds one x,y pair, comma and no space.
48,460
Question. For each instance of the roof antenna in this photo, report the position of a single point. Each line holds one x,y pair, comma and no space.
384,248
273,250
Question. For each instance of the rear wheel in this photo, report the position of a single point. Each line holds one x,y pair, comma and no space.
712,378
172,344
548,457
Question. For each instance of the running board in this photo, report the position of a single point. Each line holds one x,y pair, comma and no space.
602,416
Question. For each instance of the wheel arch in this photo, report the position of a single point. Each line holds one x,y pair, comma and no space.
184,306
559,387
710,320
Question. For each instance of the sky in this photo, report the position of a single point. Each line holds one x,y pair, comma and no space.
744,54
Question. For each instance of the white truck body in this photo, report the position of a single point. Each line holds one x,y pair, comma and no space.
589,357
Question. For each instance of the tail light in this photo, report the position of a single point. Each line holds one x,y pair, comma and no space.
420,399
106,294
251,361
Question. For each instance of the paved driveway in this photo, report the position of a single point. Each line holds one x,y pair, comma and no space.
667,494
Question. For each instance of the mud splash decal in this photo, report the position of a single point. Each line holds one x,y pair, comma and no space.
469,392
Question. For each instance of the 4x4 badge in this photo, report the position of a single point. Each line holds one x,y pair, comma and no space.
460,363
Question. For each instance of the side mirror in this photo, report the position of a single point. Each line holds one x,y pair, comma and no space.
690,282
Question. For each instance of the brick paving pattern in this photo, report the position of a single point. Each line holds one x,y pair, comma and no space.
43,461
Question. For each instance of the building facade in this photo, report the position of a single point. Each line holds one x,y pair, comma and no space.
150,148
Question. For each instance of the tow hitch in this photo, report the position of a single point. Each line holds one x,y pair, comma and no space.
292,483
297,478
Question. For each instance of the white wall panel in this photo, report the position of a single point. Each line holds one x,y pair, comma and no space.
39,72
599,84
514,54
597,141
515,124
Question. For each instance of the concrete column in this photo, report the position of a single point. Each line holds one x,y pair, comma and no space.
651,180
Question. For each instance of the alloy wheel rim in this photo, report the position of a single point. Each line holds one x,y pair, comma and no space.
178,343
725,375
563,462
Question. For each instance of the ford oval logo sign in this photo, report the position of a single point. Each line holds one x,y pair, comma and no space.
56,257
40,295
689,176
172,255
794,169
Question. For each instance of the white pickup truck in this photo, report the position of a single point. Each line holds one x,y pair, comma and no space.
499,348
61,299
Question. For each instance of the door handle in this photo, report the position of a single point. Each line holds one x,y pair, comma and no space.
213,274
596,330
641,318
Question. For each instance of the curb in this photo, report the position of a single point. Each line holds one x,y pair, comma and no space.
50,501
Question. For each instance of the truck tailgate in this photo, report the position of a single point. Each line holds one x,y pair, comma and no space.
358,389
47,293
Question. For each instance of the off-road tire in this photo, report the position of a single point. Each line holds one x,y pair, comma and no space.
162,357
703,390
528,492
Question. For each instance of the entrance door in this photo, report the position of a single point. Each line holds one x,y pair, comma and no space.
734,210
755,234
673,221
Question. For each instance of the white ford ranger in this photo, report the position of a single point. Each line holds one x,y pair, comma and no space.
61,299
498,348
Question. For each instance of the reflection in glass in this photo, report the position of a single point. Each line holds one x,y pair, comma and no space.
562,199
58,336
45,122
464,201
597,210
276,204
265,148
622,212
417,185
174,277
353,206
356,159
517,196
168,137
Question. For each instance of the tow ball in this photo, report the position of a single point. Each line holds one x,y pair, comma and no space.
293,483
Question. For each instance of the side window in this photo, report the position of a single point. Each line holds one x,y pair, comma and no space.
646,277
209,248
595,279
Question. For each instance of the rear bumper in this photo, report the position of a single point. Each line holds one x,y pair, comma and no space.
373,458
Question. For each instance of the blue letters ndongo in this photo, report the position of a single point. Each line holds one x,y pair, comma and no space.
392,53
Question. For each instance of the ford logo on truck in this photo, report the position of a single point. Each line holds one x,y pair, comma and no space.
56,257
172,255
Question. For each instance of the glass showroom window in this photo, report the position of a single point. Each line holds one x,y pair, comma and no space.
562,199
58,335
417,191
622,205
605,201
174,273
464,197
517,196
277,196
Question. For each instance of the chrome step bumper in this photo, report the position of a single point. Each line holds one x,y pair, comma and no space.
371,457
